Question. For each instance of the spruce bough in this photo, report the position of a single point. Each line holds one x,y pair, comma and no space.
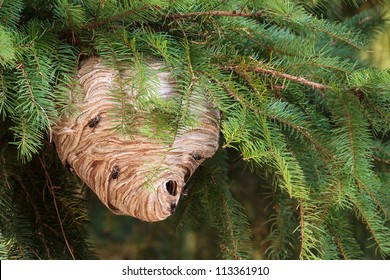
297,103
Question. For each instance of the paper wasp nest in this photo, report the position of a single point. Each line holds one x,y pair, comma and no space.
132,175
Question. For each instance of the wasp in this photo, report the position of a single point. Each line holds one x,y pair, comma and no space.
173,208
93,123
186,189
68,166
196,156
115,172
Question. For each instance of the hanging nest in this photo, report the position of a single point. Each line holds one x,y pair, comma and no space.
131,174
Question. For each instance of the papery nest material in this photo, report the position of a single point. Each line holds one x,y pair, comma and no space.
131,174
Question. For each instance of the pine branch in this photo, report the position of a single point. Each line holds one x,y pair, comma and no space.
185,213
276,73
258,111
341,247
3,97
213,14
375,199
351,137
343,235
225,211
10,12
97,25
302,228
51,188
384,248
382,160
3,248
233,247
38,218
38,107
294,17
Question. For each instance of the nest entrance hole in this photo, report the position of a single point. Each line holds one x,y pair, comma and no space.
171,187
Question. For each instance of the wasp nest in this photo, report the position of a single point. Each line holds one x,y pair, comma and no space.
132,175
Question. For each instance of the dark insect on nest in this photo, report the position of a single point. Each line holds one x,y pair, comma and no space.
94,122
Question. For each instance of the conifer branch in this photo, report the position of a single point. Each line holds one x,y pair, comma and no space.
276,73
96,25
319,65
351,137
341,247
300,129
360,94
367,189
2,95
38,221
379,159
368,224
186,212
302,226
192,82
326,209
341,39
214,14
37,106
229,224
250,36
50,186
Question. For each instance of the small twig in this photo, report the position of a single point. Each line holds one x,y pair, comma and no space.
214,13
50,186
276,73
367,189
38,219
302,224
379,159
95,25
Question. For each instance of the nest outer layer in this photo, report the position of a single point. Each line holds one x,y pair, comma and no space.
137,175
